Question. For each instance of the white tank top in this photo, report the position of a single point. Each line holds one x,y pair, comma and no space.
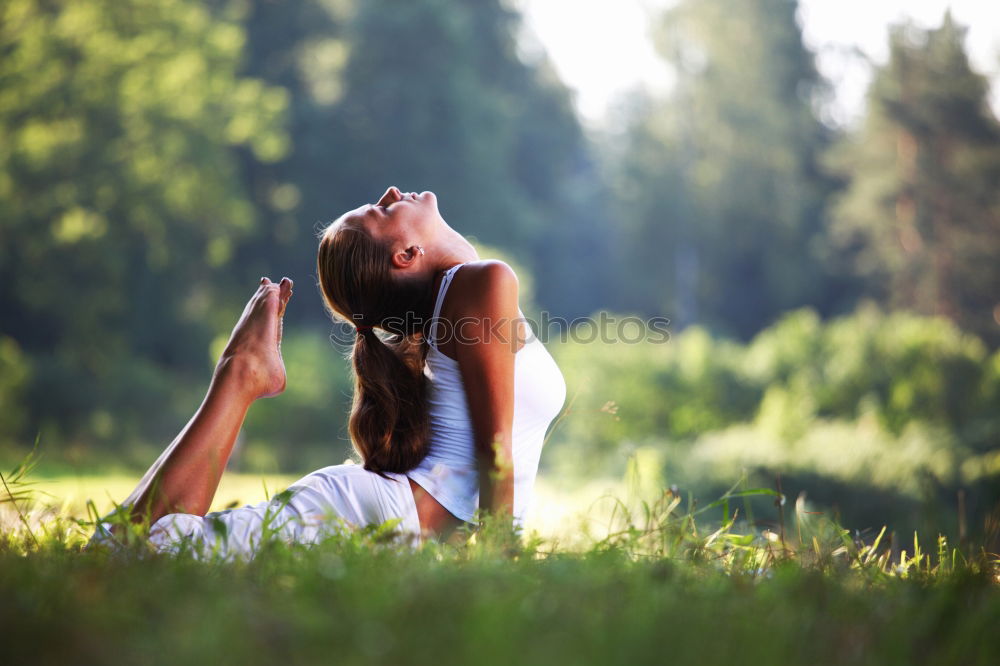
449,472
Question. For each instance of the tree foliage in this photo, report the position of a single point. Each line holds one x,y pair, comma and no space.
721,187
921,218
119,192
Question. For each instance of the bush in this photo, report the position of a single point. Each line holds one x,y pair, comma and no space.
907,373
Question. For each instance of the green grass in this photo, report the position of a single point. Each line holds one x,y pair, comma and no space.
651,581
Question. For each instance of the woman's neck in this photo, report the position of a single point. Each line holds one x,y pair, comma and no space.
453,248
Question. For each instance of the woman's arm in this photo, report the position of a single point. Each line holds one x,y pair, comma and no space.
484,340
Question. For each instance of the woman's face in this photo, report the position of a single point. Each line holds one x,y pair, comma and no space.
399,218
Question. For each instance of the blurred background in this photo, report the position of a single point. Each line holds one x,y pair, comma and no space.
809,191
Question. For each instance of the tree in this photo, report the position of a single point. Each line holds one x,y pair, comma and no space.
921,218
720,184
119,195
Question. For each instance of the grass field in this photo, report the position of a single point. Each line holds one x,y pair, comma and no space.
659,583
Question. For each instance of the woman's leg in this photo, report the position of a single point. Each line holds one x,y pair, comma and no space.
185,477
327,501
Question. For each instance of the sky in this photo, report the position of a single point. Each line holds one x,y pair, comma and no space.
601,48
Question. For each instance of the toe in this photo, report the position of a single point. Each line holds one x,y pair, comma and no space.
284,294
285,287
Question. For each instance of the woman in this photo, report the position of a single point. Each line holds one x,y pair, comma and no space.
450,408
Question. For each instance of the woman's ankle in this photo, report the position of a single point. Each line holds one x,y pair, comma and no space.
239,376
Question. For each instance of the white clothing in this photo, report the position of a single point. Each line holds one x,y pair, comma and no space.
314,507
449,472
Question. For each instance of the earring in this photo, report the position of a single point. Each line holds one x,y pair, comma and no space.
420,250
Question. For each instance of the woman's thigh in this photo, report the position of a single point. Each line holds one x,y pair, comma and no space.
356,496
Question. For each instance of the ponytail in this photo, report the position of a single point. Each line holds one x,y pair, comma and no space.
389,423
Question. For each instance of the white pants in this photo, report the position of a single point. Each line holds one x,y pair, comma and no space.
316,506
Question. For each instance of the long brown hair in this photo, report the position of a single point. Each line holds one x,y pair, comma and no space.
389,423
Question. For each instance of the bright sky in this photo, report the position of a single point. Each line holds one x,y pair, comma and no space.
601,48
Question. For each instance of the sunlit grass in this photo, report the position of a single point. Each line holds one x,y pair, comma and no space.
71,493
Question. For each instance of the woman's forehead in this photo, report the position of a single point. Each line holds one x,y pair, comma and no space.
354,219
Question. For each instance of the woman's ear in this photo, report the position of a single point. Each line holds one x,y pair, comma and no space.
405,258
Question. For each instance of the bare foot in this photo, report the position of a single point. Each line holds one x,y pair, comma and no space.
254,349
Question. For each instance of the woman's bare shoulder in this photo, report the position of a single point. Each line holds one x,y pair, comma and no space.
488,273
486,284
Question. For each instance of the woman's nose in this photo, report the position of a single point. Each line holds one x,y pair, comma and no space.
392,194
